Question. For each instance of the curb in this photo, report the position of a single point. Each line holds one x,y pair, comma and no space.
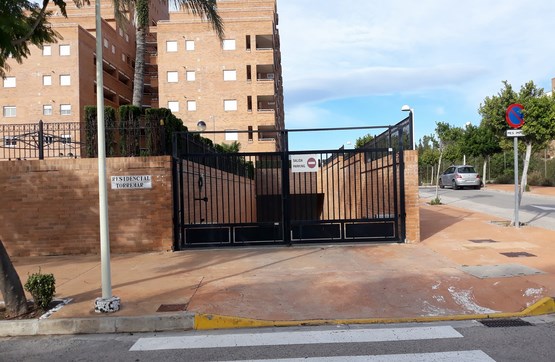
545,305
136,324
188,321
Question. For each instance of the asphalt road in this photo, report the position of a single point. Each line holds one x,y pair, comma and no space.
534,210
455,341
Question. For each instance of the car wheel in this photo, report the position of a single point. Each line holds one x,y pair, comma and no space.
455,187
441,185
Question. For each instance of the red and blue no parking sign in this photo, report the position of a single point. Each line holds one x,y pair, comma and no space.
514,115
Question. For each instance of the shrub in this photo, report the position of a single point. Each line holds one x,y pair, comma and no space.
505,179
42,287
435,201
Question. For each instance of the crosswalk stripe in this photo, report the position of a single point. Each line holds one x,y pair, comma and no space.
459,356
294,337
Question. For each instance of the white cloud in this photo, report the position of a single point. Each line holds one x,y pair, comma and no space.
334,50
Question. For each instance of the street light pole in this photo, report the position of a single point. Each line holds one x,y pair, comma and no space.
407,108
107,303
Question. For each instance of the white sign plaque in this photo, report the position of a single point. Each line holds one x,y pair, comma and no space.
304,163
131,182
514,133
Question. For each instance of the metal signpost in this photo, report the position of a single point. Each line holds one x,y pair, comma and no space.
515,120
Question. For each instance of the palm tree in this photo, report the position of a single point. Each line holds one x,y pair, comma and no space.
206,9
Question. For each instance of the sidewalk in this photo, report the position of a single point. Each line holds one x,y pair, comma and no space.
458,271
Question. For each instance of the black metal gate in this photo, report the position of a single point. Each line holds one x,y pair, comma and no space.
227,199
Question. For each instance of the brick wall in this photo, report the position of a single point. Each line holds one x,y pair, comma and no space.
411,196
50,207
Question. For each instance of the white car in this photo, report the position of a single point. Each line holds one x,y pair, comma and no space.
460,176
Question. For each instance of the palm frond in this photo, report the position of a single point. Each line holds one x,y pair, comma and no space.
204,8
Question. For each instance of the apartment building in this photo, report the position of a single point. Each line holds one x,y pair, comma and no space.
231,85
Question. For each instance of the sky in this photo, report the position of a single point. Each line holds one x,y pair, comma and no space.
356,63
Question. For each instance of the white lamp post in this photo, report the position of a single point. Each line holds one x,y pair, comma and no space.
407,108
107,303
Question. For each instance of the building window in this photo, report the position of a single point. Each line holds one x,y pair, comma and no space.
65,50
47,110
228,44
46,80
230,105
123,57
65,138
191,76
105,43
120,30
65,79
46,50
173,106
191,105
250,134
65,109
127,37
9,82
173,77
9,111
230,75
171,46
189,45
231,135
10,141
113,49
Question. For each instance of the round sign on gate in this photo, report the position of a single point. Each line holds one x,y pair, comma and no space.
514,115
311,162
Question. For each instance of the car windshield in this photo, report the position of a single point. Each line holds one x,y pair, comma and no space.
467,169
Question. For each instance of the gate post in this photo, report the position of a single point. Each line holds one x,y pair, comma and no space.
285,182
41,140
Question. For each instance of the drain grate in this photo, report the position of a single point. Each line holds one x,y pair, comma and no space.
482,241
172,308
518,254
505,323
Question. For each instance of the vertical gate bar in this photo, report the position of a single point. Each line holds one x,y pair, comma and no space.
355,169
395,190
389,186
345,186
175,193
364,183
285,192
221,189
205,186
381,184
374,170
228,208
342,192
235,188
335,193
182,201
322,191
402,221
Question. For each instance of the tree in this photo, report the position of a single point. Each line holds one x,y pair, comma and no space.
539,116
22,23
360,142
140,8
480,141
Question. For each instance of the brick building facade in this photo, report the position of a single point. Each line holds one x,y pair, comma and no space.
187,70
